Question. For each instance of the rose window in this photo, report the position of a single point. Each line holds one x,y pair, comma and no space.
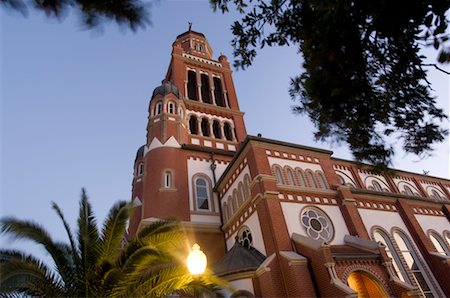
317,224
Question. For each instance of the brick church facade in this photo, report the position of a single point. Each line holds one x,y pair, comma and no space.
278,219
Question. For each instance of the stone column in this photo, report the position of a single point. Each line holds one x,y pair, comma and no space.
233,135
211,130
222,132
199,126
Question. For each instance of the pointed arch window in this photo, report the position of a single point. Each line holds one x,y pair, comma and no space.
202,194
206,94
414,264
380,236
192,85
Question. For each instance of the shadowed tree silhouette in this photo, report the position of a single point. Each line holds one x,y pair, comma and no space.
364,80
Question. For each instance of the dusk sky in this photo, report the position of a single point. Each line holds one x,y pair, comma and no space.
74,106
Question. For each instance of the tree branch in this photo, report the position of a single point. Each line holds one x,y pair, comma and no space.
437,67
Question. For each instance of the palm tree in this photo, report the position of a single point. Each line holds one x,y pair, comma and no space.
96,263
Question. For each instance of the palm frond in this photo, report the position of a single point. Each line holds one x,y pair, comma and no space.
25,274
20,229
87,242
73,246
114,229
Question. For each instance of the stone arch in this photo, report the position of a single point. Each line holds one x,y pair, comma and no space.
278,173
378,288
322,181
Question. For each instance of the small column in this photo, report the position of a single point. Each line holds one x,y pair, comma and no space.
199,126
211,130
233,135
211,90
199,86
186,89
222,132
225,98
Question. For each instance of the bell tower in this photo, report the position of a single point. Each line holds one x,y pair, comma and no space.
194,129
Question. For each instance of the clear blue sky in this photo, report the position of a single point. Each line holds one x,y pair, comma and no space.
74,106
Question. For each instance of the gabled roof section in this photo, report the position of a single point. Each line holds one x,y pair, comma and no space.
239,259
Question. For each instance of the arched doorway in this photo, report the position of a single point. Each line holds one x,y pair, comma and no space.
366,285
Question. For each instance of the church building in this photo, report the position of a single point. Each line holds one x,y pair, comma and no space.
278,219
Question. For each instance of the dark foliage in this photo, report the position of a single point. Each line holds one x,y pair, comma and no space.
130,13
364,80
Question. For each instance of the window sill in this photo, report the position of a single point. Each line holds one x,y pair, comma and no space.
168,189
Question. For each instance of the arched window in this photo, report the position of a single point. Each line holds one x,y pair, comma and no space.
158,108
193,127
414,264
206,95
216,129
205,127
439,243
408,190
376,186
245,238
311,179
290,177
225,212
140,169
227,131
447,237
202,194
167,183
435,195
172,108
240,194
278,175
236,199
365,284
246,186
233,203
317,224
321,180
192,85
301,177
341,180
382,237
218,92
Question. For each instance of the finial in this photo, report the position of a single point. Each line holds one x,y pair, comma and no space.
190,26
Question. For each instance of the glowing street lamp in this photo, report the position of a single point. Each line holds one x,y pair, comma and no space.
196,260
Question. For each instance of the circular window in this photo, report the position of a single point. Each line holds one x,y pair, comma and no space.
245,238
317,224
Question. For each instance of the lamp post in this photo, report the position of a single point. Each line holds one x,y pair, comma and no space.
196,260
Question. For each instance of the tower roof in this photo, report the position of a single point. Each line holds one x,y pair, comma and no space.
166,88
